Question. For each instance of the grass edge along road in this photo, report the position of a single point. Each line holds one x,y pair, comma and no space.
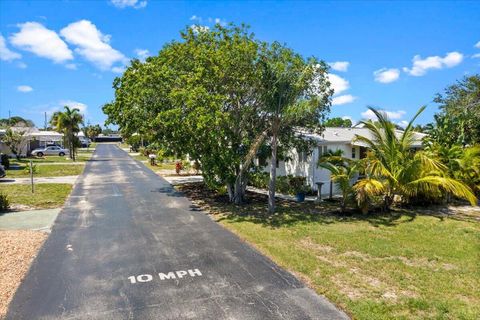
402,265
46,195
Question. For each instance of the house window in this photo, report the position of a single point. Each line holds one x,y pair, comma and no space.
354,151
278,163
322,150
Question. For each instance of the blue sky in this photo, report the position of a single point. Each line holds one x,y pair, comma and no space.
392,55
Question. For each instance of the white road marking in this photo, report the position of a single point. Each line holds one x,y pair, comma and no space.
172,275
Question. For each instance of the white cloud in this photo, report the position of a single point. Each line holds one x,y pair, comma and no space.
198,28
403,123
71,66
337,83
136,4
339,65
92,44
421,66
385,75
142,53
72,104
200,20
24,88
22,65
344,99
118,69
34,37
394,115
477,45
477,55
5,53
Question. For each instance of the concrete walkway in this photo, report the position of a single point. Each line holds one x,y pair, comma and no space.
64,179
29,220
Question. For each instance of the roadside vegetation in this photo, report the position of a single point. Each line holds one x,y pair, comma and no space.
390,247
68,122
46,195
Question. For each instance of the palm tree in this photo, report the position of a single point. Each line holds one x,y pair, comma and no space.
342,174
393,169
68,122
335,158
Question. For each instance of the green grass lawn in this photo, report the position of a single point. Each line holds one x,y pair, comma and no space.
400,265
82,156
45,196
53,170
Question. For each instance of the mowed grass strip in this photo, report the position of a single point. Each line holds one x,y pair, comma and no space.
395,266
52,170
48,195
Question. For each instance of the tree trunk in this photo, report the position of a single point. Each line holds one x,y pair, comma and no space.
273,173
240,183
231,195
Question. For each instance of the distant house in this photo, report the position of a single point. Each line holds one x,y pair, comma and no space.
32,138
305,164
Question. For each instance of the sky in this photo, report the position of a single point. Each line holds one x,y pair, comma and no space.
394,56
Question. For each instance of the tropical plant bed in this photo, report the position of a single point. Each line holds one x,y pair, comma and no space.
47,195
404,264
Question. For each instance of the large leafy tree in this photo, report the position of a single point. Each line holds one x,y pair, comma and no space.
458,121
92,131
68,122
296,97
199,97
15,141
393,169
16,121
338,122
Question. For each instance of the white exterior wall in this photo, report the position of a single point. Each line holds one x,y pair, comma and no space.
309,168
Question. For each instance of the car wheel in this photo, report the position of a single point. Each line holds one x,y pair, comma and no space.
61,154
40,154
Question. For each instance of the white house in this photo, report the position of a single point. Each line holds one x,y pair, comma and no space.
305,165
32,139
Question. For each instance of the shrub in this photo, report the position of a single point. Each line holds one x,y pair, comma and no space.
4,202
4,161
298,184
34,168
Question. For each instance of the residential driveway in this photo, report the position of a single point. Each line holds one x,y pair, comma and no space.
127,246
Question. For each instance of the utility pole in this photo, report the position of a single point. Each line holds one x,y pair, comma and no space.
45,121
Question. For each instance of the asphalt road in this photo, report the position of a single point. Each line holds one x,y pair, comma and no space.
128,246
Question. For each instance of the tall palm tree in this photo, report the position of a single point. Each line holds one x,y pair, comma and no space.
68,122
393,169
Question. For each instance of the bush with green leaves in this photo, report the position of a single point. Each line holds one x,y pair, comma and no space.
4,161
34,169
4,202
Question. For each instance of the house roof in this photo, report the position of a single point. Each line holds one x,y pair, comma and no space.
347,135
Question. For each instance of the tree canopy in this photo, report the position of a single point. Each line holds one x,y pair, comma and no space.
68,122
458,121
338,122
211,96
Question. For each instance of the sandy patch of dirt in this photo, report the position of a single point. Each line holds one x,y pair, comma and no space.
17,250
417,263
